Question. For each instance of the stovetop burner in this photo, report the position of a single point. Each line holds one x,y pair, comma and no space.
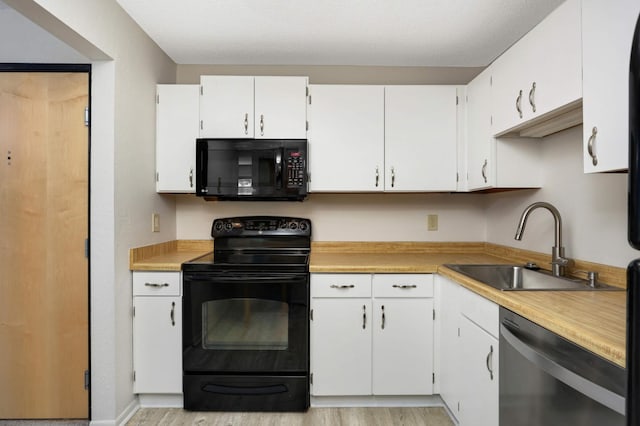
257,243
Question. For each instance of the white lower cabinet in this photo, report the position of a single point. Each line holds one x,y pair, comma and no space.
157,333
468,352
371,334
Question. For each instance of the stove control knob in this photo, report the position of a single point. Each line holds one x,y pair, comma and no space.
218,225
304,225
293,226
228,226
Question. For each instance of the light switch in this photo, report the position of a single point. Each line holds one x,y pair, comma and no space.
155,222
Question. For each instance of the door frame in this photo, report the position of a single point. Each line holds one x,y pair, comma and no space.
71,68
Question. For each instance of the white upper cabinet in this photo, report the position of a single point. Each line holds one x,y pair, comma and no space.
346,138
176,133
537,86
226,106
253,107
491,162
480,158
280,107
607,33
420,130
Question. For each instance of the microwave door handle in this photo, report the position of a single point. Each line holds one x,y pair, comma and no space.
279,168
202,159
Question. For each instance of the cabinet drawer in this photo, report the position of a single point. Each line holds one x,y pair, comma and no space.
156,283
481,311
340,285
403,285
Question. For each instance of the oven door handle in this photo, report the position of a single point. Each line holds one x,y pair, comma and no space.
543,361
242,390
231,277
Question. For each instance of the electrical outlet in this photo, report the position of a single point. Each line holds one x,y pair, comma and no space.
155,222
432,222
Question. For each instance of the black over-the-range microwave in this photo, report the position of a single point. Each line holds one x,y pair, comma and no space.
251,169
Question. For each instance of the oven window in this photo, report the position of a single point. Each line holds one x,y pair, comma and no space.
245,324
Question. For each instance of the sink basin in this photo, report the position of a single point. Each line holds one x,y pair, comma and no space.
519,278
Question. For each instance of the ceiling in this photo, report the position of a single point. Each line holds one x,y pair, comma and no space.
457,33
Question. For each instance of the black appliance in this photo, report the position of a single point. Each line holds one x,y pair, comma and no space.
246,317
251,169
633,271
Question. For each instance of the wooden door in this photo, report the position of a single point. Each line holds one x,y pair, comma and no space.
44,298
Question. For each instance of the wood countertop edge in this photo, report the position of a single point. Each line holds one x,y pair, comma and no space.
167,256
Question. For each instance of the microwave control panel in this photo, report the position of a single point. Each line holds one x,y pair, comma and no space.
295,169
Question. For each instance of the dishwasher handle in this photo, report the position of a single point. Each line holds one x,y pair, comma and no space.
586,387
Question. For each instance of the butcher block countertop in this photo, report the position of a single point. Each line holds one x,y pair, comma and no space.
596,320
167,256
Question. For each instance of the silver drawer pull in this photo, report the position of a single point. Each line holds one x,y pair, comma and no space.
342,286
156,285
404,286
489,362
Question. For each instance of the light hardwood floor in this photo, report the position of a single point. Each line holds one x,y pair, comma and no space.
405,416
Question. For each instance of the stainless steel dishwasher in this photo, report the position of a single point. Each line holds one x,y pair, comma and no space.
547,380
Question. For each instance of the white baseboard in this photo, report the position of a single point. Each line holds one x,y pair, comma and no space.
377,401
128,412
161,400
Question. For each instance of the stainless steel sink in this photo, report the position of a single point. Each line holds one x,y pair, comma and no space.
519,278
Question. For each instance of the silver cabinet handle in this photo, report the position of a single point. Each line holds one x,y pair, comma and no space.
172,315
261,125
532,97
341,286
246,124
393,177
484,170
191,178
592,139
377,176
156,285
364,316
518,102
404,286
489,362
383,318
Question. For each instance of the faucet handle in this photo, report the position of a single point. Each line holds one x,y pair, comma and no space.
592,276
562,261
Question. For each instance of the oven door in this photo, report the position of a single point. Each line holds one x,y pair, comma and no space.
241,322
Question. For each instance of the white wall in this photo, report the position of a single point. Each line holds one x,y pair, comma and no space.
122,175
351,217
593,207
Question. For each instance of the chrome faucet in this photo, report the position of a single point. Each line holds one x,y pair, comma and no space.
558,261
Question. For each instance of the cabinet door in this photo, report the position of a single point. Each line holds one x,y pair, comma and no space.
226,106
346,138
449,350
402,346
479,369
480,161
607,33
177,111
540,75
420,138
157,344
280,108
341,347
